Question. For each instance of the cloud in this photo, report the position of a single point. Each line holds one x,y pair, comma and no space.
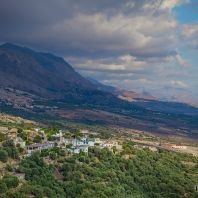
181,60
178,84
190,34
170,4
131,43
118,27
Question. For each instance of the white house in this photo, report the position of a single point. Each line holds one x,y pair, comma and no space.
91,142
109,144
82,142
78,149
179,147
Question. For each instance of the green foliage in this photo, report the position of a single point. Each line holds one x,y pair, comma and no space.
14,194
103,174
22,134
148,174
52,156
3,156
2,137
9,181
40,177
3,187
11,149
37,139
9,168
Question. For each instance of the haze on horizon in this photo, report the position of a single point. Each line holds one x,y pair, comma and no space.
138,45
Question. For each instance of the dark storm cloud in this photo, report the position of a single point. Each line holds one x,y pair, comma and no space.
81,27
128,42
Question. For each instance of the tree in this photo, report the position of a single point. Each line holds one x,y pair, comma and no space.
3,187
37,139
114,149
11,149
10,181
53,156
9,167
3,156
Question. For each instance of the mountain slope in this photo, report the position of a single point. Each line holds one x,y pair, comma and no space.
40,73
30,78
43,85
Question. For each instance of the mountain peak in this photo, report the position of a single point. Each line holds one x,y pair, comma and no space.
10,45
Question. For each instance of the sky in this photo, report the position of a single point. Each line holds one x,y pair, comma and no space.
139,45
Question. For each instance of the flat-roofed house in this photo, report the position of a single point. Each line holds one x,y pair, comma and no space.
39,147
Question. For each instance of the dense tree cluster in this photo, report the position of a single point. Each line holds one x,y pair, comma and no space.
146,174
8,182
103,174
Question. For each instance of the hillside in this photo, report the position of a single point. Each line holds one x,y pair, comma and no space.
41,160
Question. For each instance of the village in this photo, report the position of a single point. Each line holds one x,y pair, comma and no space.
39,140
74,145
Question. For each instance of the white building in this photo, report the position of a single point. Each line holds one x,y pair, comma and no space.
78,149
110,144
179,147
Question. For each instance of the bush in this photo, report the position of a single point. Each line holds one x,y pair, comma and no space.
10,181
3,156
3,187
9,167
11,149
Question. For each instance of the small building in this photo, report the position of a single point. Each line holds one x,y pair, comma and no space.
179,147
84,148
91,143
174,146
78,149
37,129
76,142
39,147
107,145
83,142
59,137
67,141
153,148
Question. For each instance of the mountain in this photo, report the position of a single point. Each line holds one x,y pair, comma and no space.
29,75
44,86
42,74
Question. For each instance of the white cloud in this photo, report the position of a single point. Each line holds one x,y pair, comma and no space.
178,84
181,60
190,35
170,4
